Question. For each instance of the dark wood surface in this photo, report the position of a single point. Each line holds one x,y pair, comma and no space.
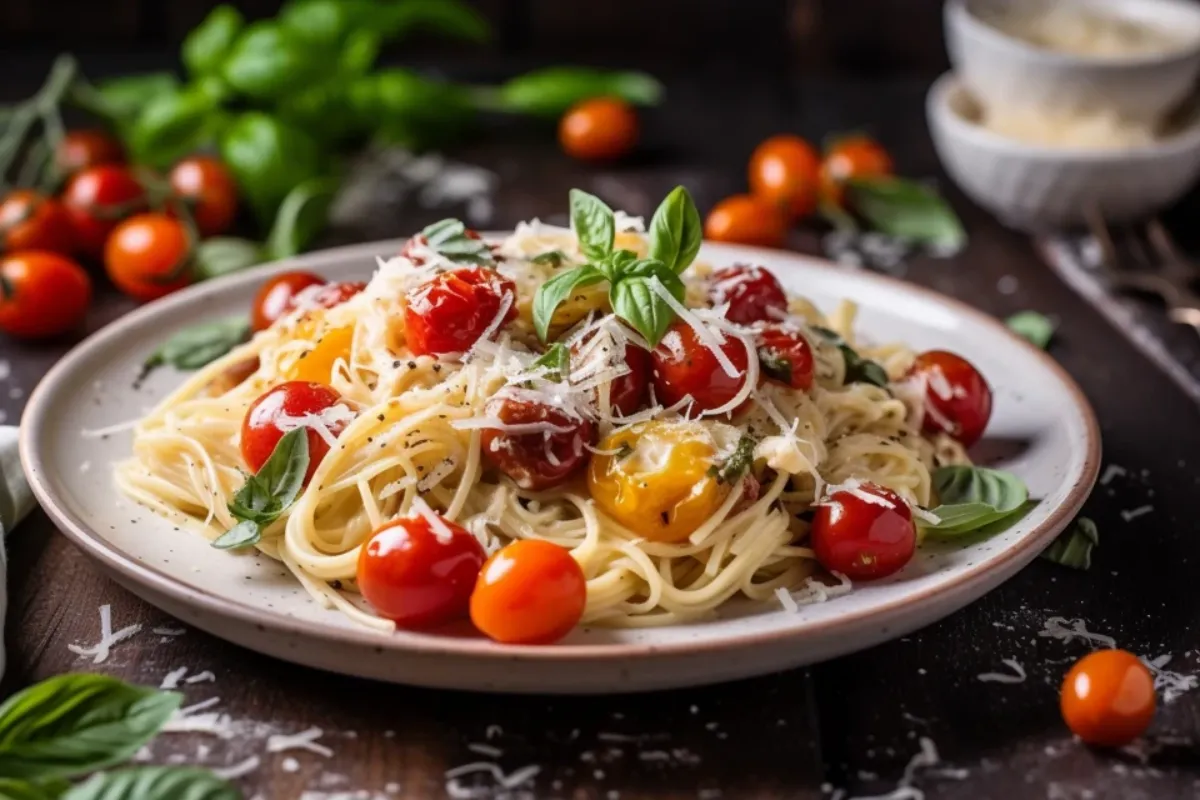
852,723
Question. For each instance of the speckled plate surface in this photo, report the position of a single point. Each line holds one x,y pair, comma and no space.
1042,428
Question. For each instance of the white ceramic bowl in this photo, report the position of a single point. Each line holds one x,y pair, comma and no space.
1005,71
1040,187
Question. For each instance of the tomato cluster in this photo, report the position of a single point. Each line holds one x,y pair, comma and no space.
143,228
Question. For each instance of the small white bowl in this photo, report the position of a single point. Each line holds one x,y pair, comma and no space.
1040,187
1003,70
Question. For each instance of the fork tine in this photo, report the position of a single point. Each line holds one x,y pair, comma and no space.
1099,229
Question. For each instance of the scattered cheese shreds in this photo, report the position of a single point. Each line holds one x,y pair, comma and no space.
304,740
100,651
1017,676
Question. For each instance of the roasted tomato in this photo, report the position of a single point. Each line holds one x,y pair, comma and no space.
282,409
657,479
149,256
448,313
204,183
599,129
683,367
864,532
1108,698
275,297
786,356
530,592
419,573
97,199
316,366
81,149
785,170
753,294
41,294
746,219
626,393
32,221
958,400
539,446
852,157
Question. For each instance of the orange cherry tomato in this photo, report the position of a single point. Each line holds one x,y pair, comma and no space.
81,149
1108,698
316,366
207,187
148,256
852,157
746,219
32,221
599,129
785,170
275,297
97,199
42,294
530,592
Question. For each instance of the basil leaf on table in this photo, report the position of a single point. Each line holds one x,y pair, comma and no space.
676,231
553,292
267,62
907,210
73,724
208,45
194,347
556,360
446,17
224,255
268,493
1035,328
594,224
154,783
858,369
550,92
268,157
1073,547
301,216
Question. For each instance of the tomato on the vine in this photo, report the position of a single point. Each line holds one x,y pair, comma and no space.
449,312
746,219
265,422
852,157
863,537
81,149
685,367
276,297
753,294
97,199
599,129
785,170
149,256
536,459
204,183
31,221
786,356
1108,698
41,294
958,401
530,592
419,574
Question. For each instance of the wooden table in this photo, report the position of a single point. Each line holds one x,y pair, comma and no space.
853,723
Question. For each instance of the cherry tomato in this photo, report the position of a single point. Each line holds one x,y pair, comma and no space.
627,392
261,429
317,364
683,366
530,592
863,539
275,297
448,313
786,356
753,294
207,187
81,149
534,460
413,574
41,294
599,129
31,221
785,170
745,219
852,157
97,199
334,294
958,400
148,256
1108,698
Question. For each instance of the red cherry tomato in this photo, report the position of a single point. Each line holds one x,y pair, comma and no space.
448,313
530,592
206,185
863,539
32,221
958,400
41,294
786,357
535,461
785,171
746,219
1108,698
79,150
97,199
852,157
753,294
334,294
626,393
683,366
598,129
415,575
148,256
261,429
276,296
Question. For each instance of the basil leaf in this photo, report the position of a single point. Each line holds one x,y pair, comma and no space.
615,264
323,22
224,255
301,216
121,99
445,17
171,125
593,224
1002,491
245,534
401,95
282,475
553,292
155,783
268,157
72,724
192,348
775,365
738,463
907,210
557,361
634,301
962,517
550,92
449,237
359,53
206,47
858,369
267,62
1032,326
1073,547
676,230
553,258
13,789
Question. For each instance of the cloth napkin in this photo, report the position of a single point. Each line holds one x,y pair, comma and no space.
16,500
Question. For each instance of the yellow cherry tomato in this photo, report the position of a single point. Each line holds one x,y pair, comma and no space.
657,484
317,365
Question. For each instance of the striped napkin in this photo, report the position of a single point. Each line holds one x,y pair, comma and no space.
15,502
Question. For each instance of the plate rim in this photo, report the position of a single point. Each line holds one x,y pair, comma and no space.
128,566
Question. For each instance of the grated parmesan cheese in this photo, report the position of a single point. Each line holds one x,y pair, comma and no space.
100,651
439,527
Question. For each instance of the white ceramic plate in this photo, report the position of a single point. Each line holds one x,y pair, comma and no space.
1047,431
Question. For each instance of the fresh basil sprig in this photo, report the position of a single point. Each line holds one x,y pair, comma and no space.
675,237
1036,328
738,463
449,238
972,498
1073,547
268,493
192,348
858,369
155,783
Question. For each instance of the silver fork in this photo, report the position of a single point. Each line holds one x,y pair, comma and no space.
1159,268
